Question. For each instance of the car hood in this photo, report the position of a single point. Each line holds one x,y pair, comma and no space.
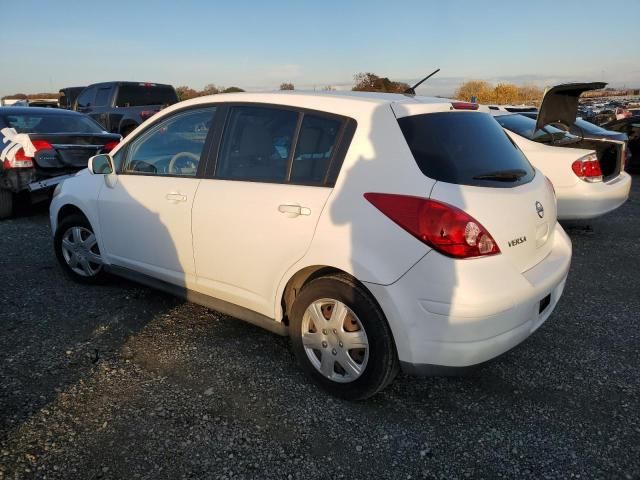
560,103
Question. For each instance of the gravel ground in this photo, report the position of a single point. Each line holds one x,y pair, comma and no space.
125,382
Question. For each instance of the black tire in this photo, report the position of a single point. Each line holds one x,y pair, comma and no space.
382,365
6,204
76,221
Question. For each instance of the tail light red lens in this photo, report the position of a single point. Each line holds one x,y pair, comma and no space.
443,227
109,146
41,145
464,106
587,168
21,160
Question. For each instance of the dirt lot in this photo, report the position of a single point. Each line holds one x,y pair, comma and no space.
124,382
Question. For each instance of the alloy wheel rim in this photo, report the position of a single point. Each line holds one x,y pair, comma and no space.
80,251
335,341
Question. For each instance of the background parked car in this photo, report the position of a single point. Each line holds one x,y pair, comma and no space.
68,96
587,173
43,102
121,106
42,147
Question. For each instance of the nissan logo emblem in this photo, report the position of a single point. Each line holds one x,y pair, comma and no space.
540,209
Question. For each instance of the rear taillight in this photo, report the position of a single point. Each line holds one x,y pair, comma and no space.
21,160
109,146
148,113
464,106
443,227
587,168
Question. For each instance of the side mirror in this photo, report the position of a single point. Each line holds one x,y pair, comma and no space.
100,164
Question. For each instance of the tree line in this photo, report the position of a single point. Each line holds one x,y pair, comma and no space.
482,91
502,93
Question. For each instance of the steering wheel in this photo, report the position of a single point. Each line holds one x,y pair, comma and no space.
192,156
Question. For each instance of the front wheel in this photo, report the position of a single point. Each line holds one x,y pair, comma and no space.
77,250
341,338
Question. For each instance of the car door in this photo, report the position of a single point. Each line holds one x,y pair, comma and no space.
101,106
255,214
145,215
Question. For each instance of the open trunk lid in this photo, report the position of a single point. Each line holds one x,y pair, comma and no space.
521,219
560,103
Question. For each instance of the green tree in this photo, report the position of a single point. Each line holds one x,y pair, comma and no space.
370,82
185,93
210,89
232,90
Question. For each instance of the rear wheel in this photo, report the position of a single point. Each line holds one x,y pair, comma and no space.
341,338
6,204
77,250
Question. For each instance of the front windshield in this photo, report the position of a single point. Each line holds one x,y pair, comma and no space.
525,126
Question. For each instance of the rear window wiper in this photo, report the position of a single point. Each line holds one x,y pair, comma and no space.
502,176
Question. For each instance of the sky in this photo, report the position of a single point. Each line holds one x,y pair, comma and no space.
256,45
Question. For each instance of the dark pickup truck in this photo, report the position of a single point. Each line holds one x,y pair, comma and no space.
121,106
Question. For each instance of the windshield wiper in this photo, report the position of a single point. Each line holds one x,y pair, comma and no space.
502,176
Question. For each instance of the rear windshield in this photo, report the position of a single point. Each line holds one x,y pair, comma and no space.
525,127
50,123
588,127
132,95
466,148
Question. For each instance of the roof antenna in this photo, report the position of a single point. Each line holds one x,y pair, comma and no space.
412,90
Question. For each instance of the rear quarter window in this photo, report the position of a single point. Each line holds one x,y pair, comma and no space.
465,148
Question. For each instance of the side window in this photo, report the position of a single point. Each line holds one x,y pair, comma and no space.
316,144
86,98
173,146
256,144
117,159
102,97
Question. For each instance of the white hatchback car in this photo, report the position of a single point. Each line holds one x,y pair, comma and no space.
379,231
587,173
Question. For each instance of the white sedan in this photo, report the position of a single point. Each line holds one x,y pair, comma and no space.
587,174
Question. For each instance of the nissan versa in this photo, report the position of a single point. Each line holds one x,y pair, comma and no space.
379,231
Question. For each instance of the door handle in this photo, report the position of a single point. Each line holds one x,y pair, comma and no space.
292,210
176,197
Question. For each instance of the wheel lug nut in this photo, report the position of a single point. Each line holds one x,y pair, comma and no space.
324,344
340,344
324,331
335,331
334,351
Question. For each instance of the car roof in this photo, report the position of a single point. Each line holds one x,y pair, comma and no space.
128,82
340,102
32,110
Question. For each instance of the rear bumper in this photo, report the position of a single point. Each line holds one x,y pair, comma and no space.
471,310
21,179
17,179
590,200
